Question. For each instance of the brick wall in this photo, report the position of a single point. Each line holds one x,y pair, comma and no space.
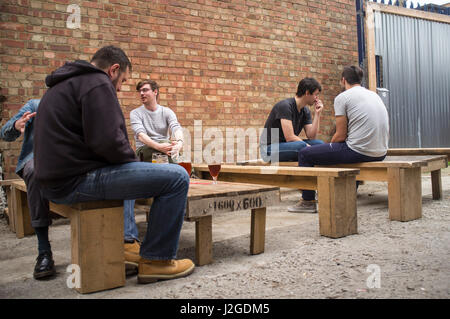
225,62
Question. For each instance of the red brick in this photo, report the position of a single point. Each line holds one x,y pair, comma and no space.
214,60
12,44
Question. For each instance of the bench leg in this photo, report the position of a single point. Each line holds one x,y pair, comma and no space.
22,218
203,240
405,193
10,197
436,184
337,206
258,231
98,249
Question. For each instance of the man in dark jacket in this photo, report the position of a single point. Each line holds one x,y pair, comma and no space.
82,153
23,123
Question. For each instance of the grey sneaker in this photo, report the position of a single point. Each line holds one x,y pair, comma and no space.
304,206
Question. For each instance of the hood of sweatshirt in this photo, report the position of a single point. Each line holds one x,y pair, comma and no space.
70,69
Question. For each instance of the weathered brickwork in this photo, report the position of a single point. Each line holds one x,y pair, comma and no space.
225,62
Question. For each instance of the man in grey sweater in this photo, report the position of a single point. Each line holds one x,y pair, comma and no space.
153,125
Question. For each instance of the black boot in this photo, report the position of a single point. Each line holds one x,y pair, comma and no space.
45,266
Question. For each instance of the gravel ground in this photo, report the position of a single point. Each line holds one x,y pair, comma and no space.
384,260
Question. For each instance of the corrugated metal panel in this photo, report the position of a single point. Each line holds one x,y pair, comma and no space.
416,71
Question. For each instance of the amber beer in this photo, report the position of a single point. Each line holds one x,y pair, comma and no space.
187,166
214,170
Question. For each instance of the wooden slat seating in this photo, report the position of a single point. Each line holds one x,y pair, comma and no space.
97,226
419,151
96,237
403,175
10,210
336,188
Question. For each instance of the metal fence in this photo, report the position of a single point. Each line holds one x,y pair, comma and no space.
414,66
427,7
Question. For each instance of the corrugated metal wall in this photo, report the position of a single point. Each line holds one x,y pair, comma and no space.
416,70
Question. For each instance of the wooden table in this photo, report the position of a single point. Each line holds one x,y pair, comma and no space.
206,199
101,222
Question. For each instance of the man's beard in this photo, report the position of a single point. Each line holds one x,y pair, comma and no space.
115,81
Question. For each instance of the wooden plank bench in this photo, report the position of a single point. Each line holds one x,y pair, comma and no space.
10,211
403,175
96,237
336,188
97,227
419,151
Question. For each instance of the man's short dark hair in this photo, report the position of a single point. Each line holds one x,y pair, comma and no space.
152,84
353,74
308,85
109,55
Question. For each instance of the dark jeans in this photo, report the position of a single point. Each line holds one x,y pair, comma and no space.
37,204
330,154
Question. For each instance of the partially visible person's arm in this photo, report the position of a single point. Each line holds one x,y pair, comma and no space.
177,144
162,147
176,131
341,129
288,131
311,130
16,125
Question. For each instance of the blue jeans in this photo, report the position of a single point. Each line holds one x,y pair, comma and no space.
167,184
130,230
285,152
330,154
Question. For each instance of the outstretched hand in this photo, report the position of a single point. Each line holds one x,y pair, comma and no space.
20,123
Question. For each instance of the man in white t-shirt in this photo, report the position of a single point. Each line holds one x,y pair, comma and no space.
362,131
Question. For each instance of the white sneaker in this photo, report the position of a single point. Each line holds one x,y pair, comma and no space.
304,206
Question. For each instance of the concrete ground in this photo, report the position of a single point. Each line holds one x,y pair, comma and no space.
384,260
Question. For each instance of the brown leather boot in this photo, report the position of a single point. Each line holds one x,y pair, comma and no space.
154,270
132,257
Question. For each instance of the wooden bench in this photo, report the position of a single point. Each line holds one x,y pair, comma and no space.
96,237
419,151
10,211
97,227
336,188
403,175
